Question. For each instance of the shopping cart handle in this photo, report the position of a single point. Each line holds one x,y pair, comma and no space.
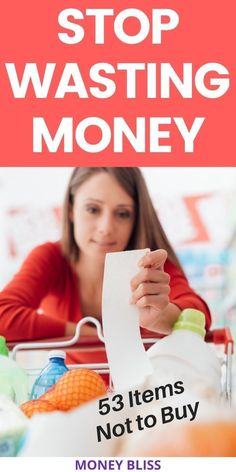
64,342
221,336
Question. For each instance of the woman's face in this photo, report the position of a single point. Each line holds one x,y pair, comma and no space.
103,216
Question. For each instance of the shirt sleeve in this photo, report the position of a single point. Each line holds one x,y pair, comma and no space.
182,295
20,299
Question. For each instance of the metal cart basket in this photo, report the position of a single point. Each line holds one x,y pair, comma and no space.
221,340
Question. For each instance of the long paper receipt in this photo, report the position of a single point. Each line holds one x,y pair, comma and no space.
128,362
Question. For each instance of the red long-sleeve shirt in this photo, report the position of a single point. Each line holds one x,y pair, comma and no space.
47,281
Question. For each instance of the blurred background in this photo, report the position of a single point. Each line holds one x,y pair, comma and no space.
196,207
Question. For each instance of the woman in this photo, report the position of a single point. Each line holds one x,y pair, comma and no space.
105,210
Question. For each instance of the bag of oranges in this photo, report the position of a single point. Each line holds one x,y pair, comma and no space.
74,388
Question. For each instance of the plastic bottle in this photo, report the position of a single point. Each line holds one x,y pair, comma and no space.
13,379
50,374
185,356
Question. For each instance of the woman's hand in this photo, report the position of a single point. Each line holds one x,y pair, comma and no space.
150,293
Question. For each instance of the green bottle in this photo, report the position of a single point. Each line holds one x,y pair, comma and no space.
13,379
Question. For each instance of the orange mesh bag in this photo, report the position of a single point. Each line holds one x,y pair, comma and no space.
75,387
36,406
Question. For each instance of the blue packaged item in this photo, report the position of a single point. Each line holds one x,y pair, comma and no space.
50,374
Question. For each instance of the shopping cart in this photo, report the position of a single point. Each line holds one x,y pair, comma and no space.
221,339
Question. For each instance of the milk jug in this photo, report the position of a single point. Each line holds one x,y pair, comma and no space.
184,356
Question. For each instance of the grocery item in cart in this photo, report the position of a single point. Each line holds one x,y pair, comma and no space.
177,433
13,425
216,438
71,434
50,374
185,356
74,388
37,406
13,379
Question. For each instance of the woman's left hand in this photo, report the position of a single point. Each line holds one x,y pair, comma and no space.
151,288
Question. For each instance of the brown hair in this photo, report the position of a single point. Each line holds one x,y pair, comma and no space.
147,231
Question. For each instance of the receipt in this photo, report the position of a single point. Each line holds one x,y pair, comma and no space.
128,361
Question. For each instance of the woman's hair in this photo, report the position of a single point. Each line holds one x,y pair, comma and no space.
147,230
